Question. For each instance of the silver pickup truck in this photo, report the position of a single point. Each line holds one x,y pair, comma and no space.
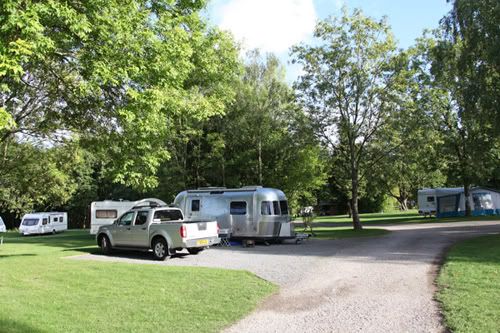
161,229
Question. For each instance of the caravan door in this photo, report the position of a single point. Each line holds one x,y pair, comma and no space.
238,211
193,208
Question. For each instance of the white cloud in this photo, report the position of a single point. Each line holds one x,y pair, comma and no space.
270,25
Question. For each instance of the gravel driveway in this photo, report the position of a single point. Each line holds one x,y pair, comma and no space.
380,284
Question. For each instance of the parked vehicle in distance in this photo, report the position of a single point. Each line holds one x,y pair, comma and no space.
247,213
426,199
43,223
161,229
2,226
105,212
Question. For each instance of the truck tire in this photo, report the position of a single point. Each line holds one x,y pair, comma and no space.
195,250
160,248
105,244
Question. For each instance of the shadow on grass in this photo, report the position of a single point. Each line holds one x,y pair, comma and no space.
17,255
11,326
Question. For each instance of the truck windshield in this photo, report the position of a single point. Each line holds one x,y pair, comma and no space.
168,215
30,222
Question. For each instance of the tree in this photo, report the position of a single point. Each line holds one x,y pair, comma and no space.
346,89
465,63
111,74
416,159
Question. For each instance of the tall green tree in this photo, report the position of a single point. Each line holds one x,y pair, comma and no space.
111,74
346,89
466,64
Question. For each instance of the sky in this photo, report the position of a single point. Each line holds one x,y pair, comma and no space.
275,25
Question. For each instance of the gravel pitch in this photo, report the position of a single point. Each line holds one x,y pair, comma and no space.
379,284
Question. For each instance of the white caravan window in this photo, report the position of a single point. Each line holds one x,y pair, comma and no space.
238,208
30,222
56,219
430,199
44,221
61,219
482,201
265,208
106,214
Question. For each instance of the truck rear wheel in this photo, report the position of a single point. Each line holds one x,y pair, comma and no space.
160,249
195,250
105,244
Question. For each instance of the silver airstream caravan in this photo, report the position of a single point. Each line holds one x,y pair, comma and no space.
250,212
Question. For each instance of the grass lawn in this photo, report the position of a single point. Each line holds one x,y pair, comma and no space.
42,292
410,216
347,232
469,286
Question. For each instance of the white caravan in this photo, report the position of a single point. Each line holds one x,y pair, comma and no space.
43,223
427,202
107,211
2,226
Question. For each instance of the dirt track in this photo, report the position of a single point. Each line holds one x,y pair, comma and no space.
380,284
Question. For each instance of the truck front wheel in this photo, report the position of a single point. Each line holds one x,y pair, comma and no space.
105,244
160,249
195,250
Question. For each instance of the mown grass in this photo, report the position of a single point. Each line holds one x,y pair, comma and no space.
410,216
40,291
469,286
347,232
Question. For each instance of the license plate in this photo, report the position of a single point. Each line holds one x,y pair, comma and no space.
202,242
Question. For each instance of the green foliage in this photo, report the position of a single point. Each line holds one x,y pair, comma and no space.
465,64
346,88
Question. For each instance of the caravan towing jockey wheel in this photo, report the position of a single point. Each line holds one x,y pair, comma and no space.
53,231
160,249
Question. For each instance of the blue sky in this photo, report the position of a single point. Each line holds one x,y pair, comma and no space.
275,25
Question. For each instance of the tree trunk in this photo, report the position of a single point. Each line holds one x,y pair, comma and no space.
468,211
403,203
354,205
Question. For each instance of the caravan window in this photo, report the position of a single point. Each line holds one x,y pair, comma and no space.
106,214
284,207
238,208
265,208
430,199
44,221
30,222
195,205
276,207
56,219
61,219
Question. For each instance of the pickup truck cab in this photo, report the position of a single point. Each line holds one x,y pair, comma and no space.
161,229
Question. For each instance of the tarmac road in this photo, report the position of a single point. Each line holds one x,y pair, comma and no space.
379,284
